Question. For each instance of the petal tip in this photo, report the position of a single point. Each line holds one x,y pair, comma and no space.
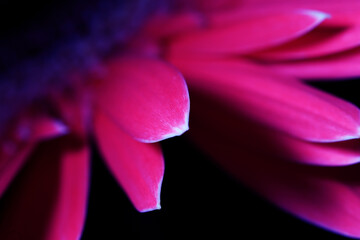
320,16
157,205
177,131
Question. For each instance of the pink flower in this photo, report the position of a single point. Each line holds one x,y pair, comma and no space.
249,66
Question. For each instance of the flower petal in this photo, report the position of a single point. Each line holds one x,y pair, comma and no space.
137,166
169,25
338,66
48,199
320,42
147,98
326,154
321,195
283,103
343,13
249,35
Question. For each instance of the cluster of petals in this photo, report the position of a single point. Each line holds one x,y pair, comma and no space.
127,107
249,66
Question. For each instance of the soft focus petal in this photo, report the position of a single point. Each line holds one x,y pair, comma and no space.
146,97
137,166
324,196
15,151
170,25
48,199
327,154
343,13
283,103
320,42
339,66
249,35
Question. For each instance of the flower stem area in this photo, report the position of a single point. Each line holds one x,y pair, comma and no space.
198,199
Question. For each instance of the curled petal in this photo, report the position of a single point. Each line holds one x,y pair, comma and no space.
328,197
48,198
137,166
249,35
146,97
283,103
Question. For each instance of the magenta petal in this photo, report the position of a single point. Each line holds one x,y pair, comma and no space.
146,97
169,25
343,13
333,67
326,154
48,199
283,103
320,42
324,196
137,166
45,128
249,35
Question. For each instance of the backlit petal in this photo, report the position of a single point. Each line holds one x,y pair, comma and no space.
48,198
146,97
137,166
283,103
249,35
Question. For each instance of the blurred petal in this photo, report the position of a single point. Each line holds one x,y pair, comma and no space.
146,97
170,25
283,103
340,66
343,13
137,166
45,128
326,154
13,154
249,35
48,199
320,42
324,196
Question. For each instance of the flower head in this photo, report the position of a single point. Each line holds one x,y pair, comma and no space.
248,65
